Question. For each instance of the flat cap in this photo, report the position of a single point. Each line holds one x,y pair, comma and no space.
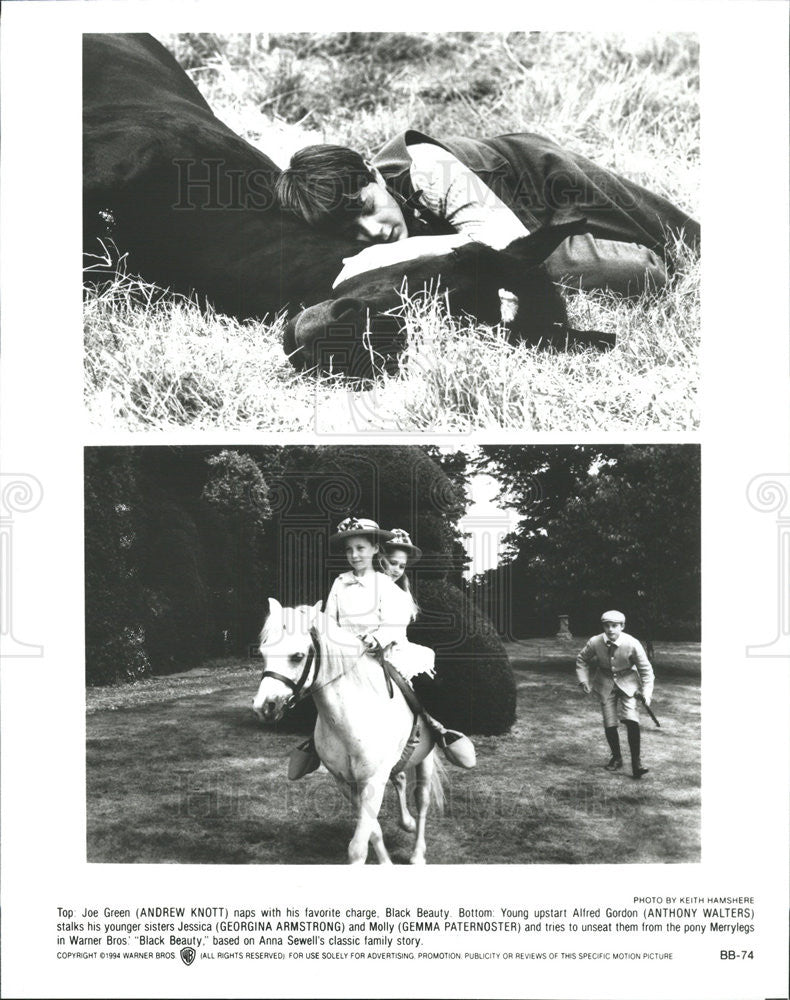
613,616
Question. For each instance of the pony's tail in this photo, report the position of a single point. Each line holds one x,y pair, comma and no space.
436,789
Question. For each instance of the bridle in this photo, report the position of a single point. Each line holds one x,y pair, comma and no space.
299,688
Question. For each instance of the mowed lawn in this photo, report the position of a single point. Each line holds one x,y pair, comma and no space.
180,771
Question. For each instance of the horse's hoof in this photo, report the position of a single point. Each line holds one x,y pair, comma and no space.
417,859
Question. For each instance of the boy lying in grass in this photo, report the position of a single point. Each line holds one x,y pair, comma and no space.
492,191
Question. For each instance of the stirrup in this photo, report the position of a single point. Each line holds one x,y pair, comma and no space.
303,760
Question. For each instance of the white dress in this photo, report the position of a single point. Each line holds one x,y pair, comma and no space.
373,605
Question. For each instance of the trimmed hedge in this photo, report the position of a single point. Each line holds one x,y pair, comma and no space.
474,689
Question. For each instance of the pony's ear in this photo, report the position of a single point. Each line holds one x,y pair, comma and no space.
535,248
273,626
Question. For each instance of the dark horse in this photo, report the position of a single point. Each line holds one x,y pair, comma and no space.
187,199
191,204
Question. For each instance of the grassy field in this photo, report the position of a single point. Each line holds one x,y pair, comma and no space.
179,770
630,103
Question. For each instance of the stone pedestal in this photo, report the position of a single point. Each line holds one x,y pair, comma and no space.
564,633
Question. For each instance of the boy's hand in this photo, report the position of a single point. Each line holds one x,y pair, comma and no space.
585,687
370,642
385,254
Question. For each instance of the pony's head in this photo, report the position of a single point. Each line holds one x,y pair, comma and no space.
289,665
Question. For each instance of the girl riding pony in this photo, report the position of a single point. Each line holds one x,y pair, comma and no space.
372,608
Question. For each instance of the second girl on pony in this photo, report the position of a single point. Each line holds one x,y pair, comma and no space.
367,602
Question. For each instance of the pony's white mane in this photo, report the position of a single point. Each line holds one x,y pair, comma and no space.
293,621
288,629
340,650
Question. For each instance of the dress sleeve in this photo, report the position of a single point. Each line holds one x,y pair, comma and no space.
457,194
393,613
331,603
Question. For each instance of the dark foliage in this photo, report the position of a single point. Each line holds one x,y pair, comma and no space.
313,489
474,689
601,527
114,602
176,568
184,546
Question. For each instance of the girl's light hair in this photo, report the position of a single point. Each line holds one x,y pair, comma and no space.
402,582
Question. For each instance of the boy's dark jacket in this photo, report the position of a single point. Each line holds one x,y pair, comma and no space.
543,184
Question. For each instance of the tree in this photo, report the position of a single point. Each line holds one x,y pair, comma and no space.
237,520
631,540
614,525
538,480
114,601
409,488
216,532
474,690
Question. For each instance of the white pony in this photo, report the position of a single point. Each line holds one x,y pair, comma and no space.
363,725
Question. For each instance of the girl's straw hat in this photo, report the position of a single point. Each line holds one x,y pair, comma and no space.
359,526
400,540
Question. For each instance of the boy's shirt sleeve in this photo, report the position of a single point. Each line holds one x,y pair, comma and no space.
457,194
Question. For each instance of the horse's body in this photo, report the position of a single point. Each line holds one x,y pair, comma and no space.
187,200
362,726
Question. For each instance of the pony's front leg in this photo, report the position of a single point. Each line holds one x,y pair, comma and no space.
406,820
422,797
367,798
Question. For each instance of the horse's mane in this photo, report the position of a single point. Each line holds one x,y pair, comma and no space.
301,610
338,648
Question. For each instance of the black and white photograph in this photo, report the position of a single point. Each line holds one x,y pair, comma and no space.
394,503
242,632
473,230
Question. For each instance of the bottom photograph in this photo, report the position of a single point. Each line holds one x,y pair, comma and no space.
452,655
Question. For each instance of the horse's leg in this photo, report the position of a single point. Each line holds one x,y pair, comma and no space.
406,820
367,798
422,794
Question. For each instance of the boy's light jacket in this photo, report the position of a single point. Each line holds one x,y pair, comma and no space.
628,667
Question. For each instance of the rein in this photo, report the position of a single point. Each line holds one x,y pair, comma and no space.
299,687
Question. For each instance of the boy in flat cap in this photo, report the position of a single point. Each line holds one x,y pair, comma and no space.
619,668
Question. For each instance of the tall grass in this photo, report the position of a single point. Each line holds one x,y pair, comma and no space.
629,103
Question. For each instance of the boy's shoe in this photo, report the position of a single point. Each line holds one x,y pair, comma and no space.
457,748
615,763
637,770
303,760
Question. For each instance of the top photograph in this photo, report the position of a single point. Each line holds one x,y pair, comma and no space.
391,232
